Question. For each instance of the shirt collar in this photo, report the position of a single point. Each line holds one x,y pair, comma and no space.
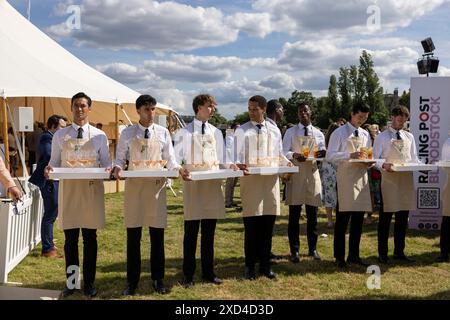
271,121
85,127
256,123
393,130
143,128
352,128
198,122
301,126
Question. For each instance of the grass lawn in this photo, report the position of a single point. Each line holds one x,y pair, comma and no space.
307,280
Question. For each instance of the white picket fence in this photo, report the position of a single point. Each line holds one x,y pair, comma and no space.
20,230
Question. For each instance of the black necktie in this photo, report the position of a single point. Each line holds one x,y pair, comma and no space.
259,127
80,133
146,134
398,136
356,133
306,131
203,127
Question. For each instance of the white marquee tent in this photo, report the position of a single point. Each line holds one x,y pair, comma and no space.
35,71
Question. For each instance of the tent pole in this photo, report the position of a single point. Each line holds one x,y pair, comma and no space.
170,122
45,109
116,141
5,133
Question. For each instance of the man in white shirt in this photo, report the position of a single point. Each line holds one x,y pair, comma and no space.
260,194
199,147
305,187
352,183
145,208
81,202
397,188
445,225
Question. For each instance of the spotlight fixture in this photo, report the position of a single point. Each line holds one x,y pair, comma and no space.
428,63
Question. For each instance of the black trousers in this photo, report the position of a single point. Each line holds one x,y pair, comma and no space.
294,228
400,226
191,228
157,256
340,229
89,252
258,240
445,236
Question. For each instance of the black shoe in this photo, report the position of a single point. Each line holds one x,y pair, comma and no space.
294,258
383,259
402,257
341,264
90,291
213,279
250,273
67,292
129,291
159,287
268,273
187,282
357,260
315,255
442,258
275,257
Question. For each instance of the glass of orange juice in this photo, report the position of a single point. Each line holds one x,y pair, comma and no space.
305,151
364,150
316,152
370,153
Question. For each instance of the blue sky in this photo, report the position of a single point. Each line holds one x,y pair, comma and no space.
174,50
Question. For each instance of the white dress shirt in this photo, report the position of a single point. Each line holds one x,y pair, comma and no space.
137,130
337,146
183,141
250,128
382,144
97,136
446,151
299,130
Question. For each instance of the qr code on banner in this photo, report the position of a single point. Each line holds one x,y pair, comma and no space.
428,198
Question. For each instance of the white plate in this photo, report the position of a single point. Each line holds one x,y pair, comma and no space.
270,171
444,164
79,174
215,174
150,174
414,167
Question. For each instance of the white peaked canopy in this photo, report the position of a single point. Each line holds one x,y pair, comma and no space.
36,71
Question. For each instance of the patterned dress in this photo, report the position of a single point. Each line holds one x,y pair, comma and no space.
328,177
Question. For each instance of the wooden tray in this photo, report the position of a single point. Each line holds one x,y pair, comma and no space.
270,171
364,160
215,174
79,174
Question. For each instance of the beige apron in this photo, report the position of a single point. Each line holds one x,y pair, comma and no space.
305,186
81,202
260,194
203,199
446,195
397,188
353,181
145,198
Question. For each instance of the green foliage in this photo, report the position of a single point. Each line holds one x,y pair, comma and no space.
241,118
218,119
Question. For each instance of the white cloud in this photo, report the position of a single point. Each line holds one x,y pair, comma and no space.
330,17
150,25
255,24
